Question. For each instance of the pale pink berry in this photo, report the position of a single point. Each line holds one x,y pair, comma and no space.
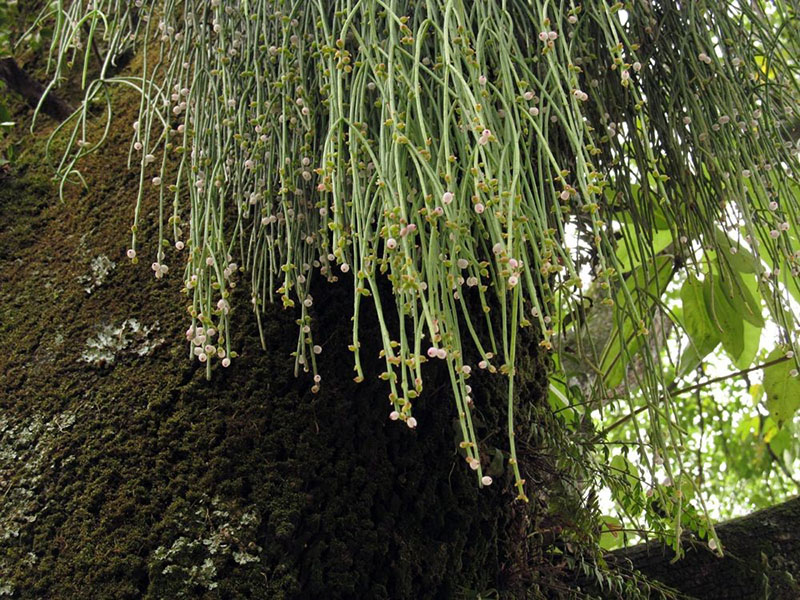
391,243
411,422
131,253
486,480
394,415
226,362
447,197
441,353
479,208
431,352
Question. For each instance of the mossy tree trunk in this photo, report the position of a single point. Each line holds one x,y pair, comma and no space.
124,473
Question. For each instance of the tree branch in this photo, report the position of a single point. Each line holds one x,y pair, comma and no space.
30,89
691,388
762,559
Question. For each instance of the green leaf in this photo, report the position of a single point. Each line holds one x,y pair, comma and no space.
624,468
781,442
741,259
726,320
782,387
610,533
752,338
740,294
630,255
696,321
645,285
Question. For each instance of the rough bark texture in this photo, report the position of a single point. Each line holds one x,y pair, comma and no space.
762,559
31,90
125,474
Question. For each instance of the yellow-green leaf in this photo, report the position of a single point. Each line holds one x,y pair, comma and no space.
726,320
782,387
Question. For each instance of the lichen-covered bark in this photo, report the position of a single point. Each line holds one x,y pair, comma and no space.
125,474
761,559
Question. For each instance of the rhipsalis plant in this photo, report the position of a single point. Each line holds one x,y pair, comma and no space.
556,164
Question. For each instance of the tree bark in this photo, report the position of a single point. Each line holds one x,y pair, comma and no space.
125,474
31,90
761,559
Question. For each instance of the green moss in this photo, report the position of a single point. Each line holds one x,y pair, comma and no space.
143,480
165,485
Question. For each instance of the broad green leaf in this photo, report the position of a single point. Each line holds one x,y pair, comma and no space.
756,393
726,320
630,255
739,294
610,533
752,337
740,259
696,320
781,442
782,387
645,286
690,359
558,399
